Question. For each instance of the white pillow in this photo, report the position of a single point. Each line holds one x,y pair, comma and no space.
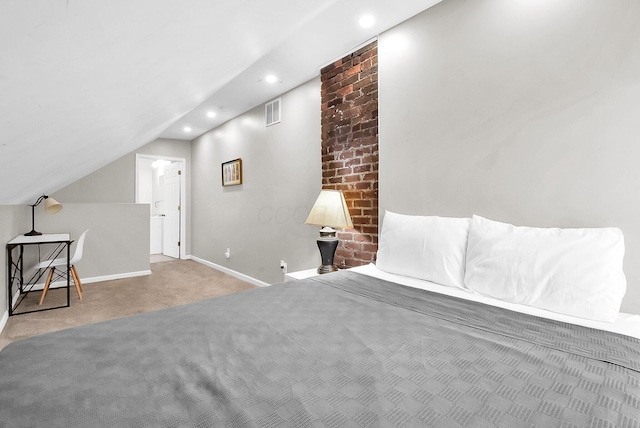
424,247
570,271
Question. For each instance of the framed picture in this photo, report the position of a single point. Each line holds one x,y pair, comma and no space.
232,172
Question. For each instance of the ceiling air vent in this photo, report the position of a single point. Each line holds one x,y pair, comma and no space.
272,112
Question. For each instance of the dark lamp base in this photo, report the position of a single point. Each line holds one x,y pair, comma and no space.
33,233
327,269
327,245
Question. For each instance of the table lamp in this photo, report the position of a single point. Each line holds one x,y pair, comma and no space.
51,206
329,211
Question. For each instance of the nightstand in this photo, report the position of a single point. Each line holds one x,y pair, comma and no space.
301,274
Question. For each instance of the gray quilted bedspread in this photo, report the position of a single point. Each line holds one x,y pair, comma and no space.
337,350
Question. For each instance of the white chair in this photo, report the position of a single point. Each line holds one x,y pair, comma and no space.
77,256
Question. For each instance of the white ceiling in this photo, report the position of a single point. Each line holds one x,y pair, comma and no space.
84,82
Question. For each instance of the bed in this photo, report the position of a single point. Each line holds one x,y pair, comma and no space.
359,347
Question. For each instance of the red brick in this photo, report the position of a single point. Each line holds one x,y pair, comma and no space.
355,68
335,86
362,169
370,213
360,85
369,229
361,220
349,78
371,249
353,161
362,203
353,97
347,154
363,185
349,149
344,90
344,252
370,159
363,238
366,150
350,113
369,72
345,236
350,245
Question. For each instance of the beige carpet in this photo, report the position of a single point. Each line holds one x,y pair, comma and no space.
172,282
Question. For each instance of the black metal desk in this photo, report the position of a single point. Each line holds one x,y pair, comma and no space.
15,267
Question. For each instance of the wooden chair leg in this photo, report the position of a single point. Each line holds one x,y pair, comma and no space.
46,285
77,278
76,281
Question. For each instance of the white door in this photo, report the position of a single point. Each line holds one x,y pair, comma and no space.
171,232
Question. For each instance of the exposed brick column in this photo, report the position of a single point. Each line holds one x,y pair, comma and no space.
350,148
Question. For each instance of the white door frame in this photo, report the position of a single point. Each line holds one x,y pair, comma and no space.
183,195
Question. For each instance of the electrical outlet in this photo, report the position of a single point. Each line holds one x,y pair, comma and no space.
283,266
227,253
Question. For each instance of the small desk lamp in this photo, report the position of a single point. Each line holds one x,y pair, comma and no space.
51,206
329,211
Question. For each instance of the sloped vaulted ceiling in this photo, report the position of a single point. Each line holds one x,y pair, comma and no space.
83,82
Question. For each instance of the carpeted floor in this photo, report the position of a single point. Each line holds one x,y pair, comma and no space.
171,283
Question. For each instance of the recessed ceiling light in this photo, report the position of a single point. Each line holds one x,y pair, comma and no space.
187,129
367,21
211,114
270,78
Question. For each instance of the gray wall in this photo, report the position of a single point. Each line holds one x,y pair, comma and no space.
115,183
118,238
12,224
262,220
523,112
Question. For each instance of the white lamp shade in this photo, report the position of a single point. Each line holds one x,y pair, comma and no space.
330,209
51,206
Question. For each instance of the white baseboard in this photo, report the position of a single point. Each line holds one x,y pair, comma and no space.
58,284
3,321
14,300
115,276
230,272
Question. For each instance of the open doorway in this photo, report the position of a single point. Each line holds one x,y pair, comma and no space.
160,183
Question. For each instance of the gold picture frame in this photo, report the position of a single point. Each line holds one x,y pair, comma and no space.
232,172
